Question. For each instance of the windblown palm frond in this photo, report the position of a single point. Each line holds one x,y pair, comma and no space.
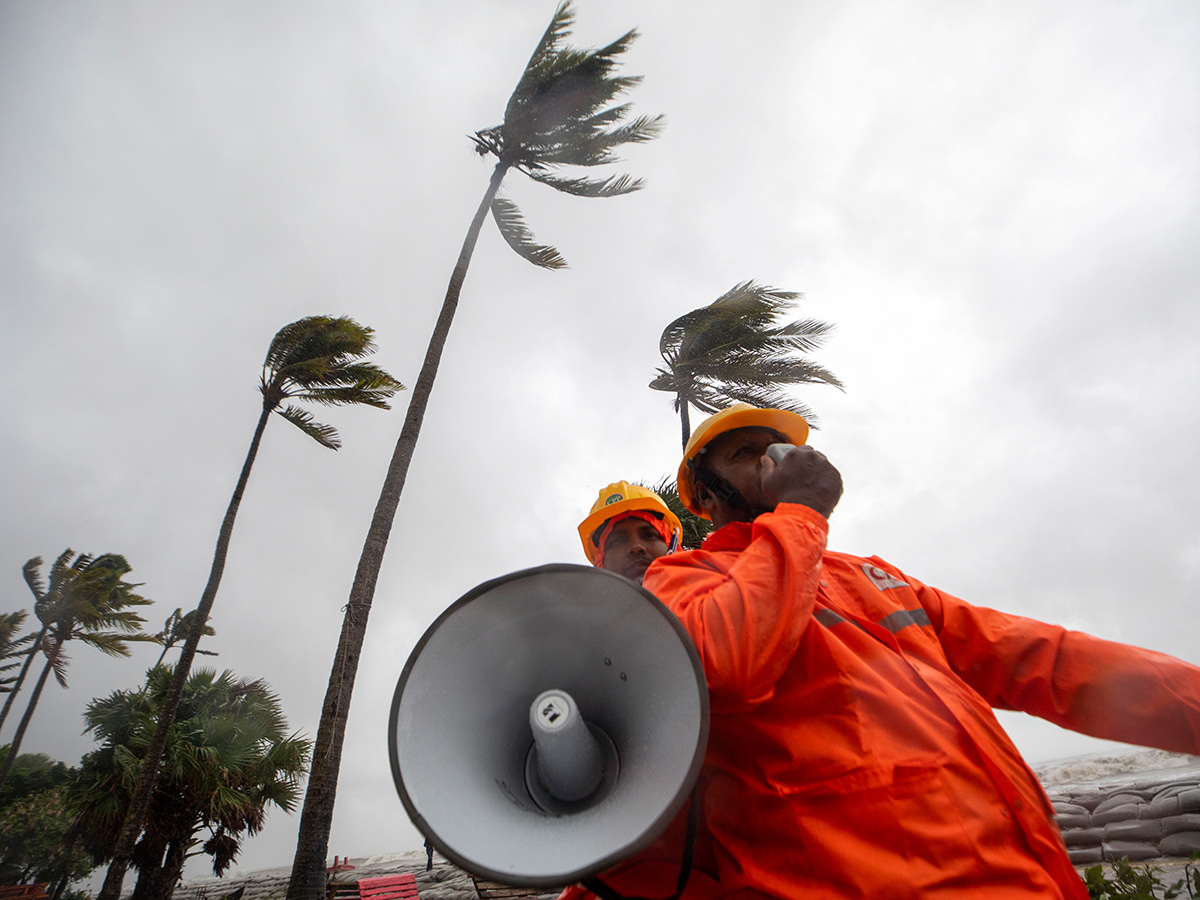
560,116
733,351
325,435
318,359
12,648
90,601
520,238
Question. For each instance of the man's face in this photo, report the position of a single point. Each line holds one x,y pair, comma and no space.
737,457
632,545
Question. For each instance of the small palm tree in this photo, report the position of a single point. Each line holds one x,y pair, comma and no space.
319,360
695,529
85,601
12,648
229,758
560,117
176,629
732,351
31,571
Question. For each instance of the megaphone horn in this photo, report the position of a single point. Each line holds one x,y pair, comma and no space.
549,724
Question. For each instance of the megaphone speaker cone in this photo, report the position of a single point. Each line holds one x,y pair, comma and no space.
461,729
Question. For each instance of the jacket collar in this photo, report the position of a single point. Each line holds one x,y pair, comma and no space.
734,536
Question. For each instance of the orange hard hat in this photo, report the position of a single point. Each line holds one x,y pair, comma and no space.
741,415
620,498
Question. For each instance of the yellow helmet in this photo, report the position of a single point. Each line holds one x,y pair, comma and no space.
619,498
740,415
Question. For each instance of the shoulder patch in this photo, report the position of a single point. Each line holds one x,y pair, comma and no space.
881,579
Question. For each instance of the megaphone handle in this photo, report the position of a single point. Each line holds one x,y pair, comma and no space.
604,892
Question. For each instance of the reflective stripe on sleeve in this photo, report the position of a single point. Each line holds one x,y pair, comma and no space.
903,618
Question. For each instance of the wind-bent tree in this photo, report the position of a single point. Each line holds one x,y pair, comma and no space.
319,360
176,629
560,116
228,758
31,572
12,648
733,351
85,601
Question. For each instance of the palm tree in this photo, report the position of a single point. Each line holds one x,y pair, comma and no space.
12,648
559,117
732,351
175,629
319,360
83,602
228,758
31,571
695,529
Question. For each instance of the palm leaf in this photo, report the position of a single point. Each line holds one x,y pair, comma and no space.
106,642
512,225
33,577
542,54
588,187
58,660
325,435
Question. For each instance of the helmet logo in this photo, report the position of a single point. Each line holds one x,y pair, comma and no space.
613,498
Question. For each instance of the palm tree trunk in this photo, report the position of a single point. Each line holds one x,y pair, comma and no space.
12,695
164,883
135,816
151,866
685,422
15,746
312,844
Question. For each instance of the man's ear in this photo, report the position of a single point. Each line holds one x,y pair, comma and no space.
704,497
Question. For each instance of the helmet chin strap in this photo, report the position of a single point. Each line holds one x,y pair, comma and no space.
724,491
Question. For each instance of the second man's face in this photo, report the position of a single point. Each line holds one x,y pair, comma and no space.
632,545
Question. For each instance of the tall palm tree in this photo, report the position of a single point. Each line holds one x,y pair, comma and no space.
733,351
228,759
319,360
560,116
85,601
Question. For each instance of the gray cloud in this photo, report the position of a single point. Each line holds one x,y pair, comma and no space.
997,207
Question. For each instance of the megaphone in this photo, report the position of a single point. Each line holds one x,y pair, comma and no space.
551,651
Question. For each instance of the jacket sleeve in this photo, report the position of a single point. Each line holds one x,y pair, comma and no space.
1097,687
746,617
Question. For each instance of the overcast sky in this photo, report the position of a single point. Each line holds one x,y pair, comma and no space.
995,204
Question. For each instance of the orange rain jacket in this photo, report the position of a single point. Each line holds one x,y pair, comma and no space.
853,751
654,872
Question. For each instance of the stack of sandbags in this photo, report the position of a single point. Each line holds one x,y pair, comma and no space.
1139,822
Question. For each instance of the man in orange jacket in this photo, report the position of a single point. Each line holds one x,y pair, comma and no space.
629,527
853,751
